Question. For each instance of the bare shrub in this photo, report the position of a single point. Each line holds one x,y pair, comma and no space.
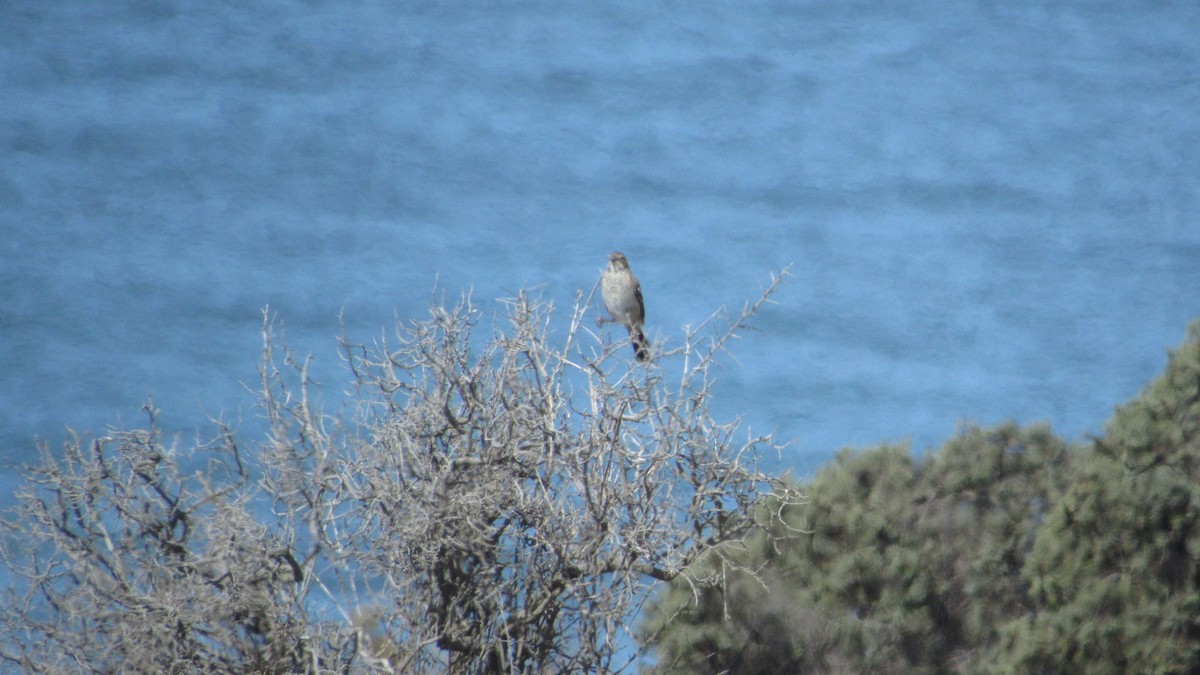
130,566
480,504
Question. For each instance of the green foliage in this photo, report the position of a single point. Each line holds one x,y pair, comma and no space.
1004,551
894,565
1115,569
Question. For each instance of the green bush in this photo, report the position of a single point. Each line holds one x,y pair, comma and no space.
1114,570
1004,551
893,565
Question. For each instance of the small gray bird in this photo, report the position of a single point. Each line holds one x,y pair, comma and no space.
623,299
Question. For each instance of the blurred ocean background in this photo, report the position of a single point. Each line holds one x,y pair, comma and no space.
991,210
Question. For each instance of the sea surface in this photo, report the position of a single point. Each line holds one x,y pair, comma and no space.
988,210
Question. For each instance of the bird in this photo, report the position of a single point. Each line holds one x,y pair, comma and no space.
623,298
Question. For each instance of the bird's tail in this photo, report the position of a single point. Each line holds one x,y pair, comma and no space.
641,347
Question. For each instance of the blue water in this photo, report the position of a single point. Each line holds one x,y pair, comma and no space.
991,209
